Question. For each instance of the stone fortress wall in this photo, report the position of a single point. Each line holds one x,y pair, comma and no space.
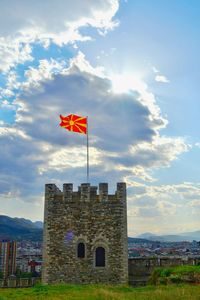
140,268
85,235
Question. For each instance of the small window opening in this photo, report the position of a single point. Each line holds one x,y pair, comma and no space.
100,257
81,250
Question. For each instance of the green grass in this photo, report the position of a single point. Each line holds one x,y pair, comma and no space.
100,292
169,285
179,274
183,269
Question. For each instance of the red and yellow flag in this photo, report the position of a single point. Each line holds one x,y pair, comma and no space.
74,123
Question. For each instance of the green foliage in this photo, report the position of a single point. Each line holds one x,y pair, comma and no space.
162,280
155,276
175,275
20,274
1,276
175,278
25,275
166,272
186,269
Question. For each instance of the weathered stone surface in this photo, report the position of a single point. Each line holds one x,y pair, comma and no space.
97,221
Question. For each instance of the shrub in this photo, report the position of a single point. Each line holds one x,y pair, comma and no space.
166,272
174,278
154,277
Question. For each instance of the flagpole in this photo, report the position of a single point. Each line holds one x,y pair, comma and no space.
87,152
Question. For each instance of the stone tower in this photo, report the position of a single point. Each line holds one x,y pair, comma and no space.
85,235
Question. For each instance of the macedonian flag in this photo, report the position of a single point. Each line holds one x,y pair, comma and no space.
74,123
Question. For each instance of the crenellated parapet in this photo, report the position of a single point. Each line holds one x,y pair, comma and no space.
86,192
51,189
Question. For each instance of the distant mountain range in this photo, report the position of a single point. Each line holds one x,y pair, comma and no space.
20,229
185,236
24,229
140,240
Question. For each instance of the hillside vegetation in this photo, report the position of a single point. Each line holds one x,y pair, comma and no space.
100,292
19,229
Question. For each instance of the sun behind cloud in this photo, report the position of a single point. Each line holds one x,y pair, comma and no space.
125,82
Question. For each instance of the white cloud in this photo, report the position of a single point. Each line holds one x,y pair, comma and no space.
14,205
52,17
197,145
153,205
125,140
138,172
6,105
61,159
161,78
155,70
124,131
12,52
162,149
181,193
45,71
85,66
6,93
195,203
46,22
12,81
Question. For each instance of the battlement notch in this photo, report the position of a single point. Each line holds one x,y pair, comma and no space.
103,191
67,191
85,192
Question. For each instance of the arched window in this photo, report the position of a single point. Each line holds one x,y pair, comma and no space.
81,250
100,257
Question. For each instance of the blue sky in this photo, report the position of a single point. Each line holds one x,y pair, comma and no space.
133,68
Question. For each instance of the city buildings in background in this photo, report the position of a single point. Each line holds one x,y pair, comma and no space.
29,257
17,258
8,258
24,258
147,248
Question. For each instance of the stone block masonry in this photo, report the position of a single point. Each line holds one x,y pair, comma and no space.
85,235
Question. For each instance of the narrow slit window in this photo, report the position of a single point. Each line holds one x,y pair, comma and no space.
81,250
